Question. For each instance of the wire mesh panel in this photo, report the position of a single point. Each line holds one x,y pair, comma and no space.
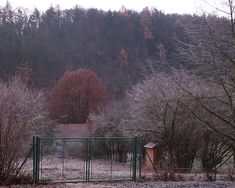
84,159
111,159
74,165
62,159
122,159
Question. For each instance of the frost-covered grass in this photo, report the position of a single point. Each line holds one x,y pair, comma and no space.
191,184
59,169
64,169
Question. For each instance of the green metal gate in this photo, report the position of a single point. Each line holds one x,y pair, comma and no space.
85,159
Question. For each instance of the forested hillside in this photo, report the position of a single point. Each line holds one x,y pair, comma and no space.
115,44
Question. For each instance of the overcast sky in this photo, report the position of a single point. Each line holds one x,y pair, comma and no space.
167,6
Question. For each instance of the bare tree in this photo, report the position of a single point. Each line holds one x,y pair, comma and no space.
19,105
210,48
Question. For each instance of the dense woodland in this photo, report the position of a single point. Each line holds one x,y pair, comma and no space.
117,45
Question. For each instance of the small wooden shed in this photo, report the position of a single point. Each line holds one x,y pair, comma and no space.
150,154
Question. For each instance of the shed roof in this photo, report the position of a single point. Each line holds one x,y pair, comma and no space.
150,145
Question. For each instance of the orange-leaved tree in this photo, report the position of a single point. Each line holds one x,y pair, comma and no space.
76,95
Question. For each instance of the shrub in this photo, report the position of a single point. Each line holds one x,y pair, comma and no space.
19,105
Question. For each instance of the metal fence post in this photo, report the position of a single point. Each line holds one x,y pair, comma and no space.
63,156
88,159
111,157
37,160
135,140
34,160
140,158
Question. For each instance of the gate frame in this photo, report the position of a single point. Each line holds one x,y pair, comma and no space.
37,154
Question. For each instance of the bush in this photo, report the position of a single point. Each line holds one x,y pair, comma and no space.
158,108
19,105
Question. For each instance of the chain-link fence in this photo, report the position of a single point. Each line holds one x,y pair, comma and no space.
85,159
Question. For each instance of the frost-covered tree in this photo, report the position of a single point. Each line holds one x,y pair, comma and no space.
210,48
19,106
157,106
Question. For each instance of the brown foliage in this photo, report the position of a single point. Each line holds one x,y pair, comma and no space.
76,95
123,55
179,23
24,72
145,21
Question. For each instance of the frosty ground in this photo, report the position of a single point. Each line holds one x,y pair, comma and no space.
129,184
51,168
155,185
